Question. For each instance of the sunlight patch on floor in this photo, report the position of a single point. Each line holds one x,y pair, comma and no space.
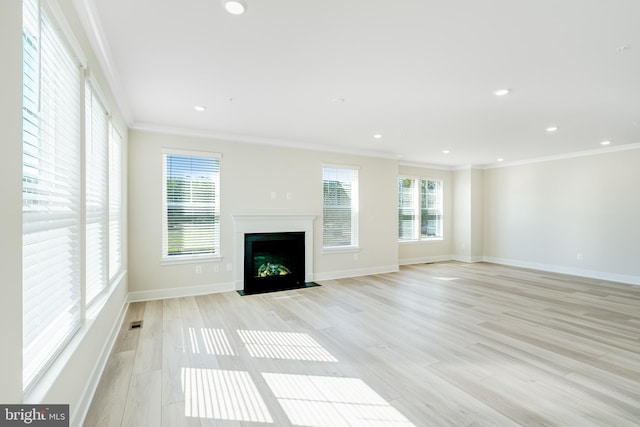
319,401
284,345
211,341
222,394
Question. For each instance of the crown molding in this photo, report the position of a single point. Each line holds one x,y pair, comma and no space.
91,22
250,139
594,152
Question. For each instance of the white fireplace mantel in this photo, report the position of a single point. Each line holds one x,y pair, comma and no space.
271,223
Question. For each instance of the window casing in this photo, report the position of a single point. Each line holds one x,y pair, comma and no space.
96,198
191,205
66,233
420,209
340,207
51,192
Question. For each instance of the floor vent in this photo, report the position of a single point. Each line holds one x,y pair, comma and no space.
135,325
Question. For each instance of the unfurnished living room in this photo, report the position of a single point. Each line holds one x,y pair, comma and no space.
320,213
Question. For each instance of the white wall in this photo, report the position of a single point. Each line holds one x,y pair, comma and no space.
430,250
250,173
461,248
11,212
543,215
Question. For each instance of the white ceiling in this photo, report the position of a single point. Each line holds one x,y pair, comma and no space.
420,72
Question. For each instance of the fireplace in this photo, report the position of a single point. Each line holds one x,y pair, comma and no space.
277,236
273,261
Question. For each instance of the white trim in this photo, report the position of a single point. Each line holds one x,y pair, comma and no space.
466,258
591,274
594,152
82,407
91,23
271,223
250,139
345,274
188,291
425,260
60,21
340,250
192,153
426,165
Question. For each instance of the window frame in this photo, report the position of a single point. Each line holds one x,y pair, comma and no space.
216,255
418,206
354,208
40,20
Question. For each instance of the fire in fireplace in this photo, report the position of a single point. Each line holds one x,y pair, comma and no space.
273,261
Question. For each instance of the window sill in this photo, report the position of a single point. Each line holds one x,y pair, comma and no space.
340,249
421,241
190,259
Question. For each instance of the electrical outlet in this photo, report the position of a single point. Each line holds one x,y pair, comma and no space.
273,195
289,195
216,268
579,256
355,257
198,269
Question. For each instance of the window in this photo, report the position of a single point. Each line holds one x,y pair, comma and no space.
340,207
419,209
96,216
191,211
115,203
51,192
71,204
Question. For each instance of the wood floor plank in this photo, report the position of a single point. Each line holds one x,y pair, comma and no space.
445,344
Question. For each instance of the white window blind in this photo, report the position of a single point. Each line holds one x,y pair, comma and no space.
51,192
340,206
96,155
115,203
430,208
408,213
420,208
191,212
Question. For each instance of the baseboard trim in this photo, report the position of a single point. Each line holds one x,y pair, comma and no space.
469,259
355,273
190,291
424,260
590,274
84,404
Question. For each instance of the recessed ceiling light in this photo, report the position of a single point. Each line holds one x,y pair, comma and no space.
605,143
501,92
399,156
552,128
235,7
200,108
338,100
446,151
377,136
499,159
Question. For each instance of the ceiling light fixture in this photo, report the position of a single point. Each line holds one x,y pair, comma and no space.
377,136
605,143
338,100
552,128
446,151
234,7
200,108
501,92
499,159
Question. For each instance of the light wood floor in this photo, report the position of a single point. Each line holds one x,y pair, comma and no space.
446,344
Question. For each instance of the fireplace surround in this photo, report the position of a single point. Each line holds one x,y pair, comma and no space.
284,229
